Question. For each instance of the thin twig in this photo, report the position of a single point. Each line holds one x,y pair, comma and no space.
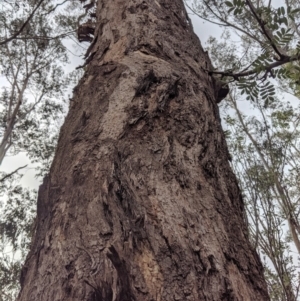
55,7
12,173
63,35
264,28
253,71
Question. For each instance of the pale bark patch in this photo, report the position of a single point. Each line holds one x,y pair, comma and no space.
151,273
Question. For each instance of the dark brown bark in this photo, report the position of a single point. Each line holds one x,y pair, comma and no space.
140,203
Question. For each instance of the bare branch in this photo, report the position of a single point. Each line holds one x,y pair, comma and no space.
55,7
63,35
12,173
268,68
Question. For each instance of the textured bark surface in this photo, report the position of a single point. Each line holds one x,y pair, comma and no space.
140,203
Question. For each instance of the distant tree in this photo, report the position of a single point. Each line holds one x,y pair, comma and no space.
16,225
265,154
12,6
33,87
264,140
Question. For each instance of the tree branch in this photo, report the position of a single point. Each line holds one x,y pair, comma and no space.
265,30
63,35
55,7
268,68
12,173
23,26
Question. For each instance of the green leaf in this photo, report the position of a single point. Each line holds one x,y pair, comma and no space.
236,12
266,103
229,4
278,11
292,17
295,11
285,21
230,10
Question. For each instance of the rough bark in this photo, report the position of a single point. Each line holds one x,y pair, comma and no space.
140,203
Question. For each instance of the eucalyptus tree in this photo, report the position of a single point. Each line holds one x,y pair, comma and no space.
140,202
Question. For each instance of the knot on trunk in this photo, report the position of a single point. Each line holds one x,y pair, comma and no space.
86,31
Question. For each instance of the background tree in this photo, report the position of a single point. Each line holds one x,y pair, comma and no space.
263,140
265,160
18,209
11,6
33,88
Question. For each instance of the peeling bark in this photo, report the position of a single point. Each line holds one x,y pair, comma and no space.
140,202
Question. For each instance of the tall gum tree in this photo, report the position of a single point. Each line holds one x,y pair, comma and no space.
140,202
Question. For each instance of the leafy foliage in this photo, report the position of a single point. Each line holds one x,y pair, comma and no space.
265,142
271,30
265,153
33,88
16,222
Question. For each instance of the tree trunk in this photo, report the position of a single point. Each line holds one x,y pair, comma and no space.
140,203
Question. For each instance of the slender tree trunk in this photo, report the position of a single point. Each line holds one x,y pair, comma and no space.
140,203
